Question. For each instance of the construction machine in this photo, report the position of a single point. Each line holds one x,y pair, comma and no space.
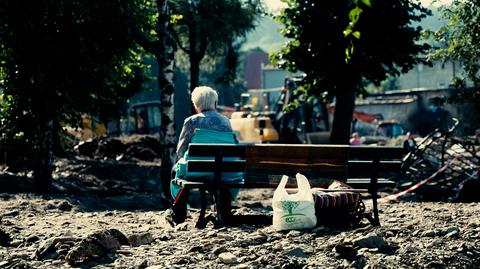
253,121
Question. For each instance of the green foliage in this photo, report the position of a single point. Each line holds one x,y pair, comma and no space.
214,23
460,38
222,73
61,58
342,45
212,28
320,31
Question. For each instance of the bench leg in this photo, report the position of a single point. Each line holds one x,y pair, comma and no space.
376,219
202,221
223,203
179,205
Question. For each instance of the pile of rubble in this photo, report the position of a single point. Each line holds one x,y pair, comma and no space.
459,155
135,148
104,166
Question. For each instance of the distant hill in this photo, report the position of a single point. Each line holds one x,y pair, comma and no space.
433,22
267,37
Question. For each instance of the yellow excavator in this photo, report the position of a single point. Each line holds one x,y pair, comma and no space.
253,123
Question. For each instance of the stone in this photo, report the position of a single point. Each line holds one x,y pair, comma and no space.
453,234
195,249
228,258
51,205
452,229
136,240
32,238
435,264
296,252
6,196
409,249
156,267
16,243
258,238
142,264
225,236
182,227
435,243
345,251
389,234
294,233
219,249
4,238
10,213
370,240
96,245
165,236
428,233
211,234
47,249
319,230
64,206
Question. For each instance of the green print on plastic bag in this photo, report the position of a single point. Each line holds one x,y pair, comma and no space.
290,206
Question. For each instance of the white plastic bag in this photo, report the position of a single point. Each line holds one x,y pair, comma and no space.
293,211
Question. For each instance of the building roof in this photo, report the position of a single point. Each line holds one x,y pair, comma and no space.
386,100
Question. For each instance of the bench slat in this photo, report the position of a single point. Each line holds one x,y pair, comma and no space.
368,152
366,168
209,166
210,150
239,185
365,182
320,161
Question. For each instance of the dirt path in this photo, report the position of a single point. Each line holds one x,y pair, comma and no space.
39,233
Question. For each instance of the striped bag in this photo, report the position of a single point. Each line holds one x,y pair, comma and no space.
340,208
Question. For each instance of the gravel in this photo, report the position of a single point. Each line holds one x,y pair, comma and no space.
48,233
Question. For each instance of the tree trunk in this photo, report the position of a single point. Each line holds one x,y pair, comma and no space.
342,117
44,162
194,71
325,115
165,58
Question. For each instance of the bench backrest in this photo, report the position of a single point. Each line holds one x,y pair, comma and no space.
369,161
268,162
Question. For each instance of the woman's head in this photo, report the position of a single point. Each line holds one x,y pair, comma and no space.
204,98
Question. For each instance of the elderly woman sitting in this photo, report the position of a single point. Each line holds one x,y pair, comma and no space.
207,126
205,102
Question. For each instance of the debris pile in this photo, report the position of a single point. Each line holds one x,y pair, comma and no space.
104,166
460,155
124,148
105,177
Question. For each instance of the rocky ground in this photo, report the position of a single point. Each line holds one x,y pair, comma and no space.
132,232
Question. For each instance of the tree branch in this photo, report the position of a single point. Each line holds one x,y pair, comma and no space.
177,41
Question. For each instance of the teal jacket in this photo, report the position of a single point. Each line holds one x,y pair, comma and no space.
208,137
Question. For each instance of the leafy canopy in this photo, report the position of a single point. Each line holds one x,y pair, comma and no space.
213,23
342,44
212,29
61,58
461,40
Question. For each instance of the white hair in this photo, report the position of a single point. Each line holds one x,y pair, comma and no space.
204,98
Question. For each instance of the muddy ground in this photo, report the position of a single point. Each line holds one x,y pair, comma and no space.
132,232
107,213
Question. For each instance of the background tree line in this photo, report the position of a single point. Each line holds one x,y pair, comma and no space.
59,59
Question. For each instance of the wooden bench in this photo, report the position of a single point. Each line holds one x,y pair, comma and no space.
364,168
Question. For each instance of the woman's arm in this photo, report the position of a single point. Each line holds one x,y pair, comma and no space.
185,137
